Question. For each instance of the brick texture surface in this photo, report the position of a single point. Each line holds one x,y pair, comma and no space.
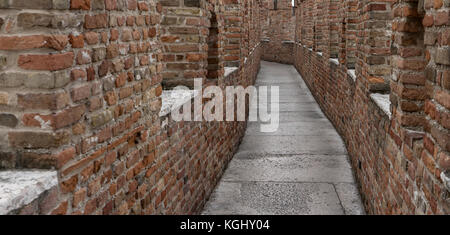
81,84
80,87
396,48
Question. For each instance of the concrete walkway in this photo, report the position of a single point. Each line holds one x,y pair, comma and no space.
302,168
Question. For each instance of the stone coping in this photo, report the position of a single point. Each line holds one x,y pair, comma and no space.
230,70
20,187
334,61
173,99
254,48
383,101
352,73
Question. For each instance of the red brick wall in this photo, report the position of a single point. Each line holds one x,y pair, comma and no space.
399,161
82,96
194,155
436,103
88,93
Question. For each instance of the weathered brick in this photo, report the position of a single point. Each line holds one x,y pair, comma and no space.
51,101
8,160
77,41
80,4
35,4
57,42
91,38
34,140
112,51
98,4
81,92
102,118
30,20
84,57
8,120
46,62
68,116
4,98
192,3
69,185
79,196
3,62
96,21
443,56
61,4
442,18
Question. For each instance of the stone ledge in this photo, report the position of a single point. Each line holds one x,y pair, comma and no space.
173,99
383,101
352,73
445,176
254,48
334,61
20,187
230,70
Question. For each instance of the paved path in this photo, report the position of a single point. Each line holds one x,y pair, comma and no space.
302,168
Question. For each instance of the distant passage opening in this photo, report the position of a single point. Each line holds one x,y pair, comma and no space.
213,49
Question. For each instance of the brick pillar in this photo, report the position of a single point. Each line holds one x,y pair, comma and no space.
215,42
352,17
322,32
334,25
408,60
233,32
375,45
185,28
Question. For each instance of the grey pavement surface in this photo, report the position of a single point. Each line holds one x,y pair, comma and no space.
300,169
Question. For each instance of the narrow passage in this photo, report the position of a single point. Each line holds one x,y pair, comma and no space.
302,168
